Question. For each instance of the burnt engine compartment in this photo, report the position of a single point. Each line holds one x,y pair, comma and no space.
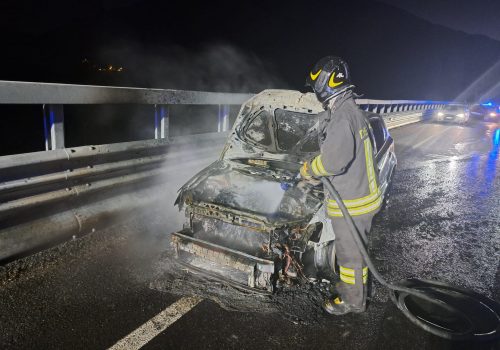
284,246
285,288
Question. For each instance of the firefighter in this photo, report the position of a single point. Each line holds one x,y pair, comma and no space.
347,159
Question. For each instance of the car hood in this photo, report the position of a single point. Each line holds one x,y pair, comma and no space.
270,193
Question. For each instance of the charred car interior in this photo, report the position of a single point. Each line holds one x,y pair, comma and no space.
249,219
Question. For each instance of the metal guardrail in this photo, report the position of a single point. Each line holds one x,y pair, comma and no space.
394,120
48,197
53,97
19,92
397,106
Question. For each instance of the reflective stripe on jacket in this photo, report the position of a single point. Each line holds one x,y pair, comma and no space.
347,158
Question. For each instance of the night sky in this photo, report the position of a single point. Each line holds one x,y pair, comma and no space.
473,17
405,52
39,17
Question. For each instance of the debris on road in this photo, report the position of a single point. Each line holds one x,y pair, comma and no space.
297,302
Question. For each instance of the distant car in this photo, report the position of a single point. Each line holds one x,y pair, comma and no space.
249,220
492,115
489,112
452,113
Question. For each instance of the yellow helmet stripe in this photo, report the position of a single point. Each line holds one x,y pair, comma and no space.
332,83
314,76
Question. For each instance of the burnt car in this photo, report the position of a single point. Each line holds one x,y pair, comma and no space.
249,220
452,113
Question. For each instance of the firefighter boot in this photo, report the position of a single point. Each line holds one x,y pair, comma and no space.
342,304
351,296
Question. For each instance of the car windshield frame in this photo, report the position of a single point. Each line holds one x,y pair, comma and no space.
273,128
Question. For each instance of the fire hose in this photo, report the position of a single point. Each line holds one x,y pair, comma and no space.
439,308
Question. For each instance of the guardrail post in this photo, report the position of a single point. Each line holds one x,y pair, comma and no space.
161,122
223,121
53,126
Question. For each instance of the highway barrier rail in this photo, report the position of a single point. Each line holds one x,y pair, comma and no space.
62,193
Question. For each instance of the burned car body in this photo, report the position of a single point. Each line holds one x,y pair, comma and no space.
249,219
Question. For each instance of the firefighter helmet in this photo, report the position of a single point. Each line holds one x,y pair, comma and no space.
329,77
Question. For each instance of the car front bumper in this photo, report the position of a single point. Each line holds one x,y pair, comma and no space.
450,118
229,264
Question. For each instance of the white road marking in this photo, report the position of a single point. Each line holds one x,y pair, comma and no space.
142,335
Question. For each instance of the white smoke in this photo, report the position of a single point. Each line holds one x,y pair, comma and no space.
214,67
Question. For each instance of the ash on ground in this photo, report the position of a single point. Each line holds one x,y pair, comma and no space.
299,303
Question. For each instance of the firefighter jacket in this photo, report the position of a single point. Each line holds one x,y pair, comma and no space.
347,158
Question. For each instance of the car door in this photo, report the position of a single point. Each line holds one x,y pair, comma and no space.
382,143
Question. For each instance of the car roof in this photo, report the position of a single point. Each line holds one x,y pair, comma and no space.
291,99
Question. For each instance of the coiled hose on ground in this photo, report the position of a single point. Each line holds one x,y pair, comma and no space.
441,309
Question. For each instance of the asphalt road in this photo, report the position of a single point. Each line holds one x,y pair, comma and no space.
443,222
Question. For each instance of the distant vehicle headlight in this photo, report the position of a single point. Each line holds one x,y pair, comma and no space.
440,114
461,115
493,114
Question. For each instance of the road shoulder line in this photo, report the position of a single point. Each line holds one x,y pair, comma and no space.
142,335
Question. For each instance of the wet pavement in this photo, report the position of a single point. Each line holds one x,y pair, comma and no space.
442,222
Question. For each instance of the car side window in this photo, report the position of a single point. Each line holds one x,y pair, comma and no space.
258,129
378,132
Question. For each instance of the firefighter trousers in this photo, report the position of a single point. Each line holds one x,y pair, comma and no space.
352,267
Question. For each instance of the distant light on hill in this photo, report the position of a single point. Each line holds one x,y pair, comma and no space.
110,68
